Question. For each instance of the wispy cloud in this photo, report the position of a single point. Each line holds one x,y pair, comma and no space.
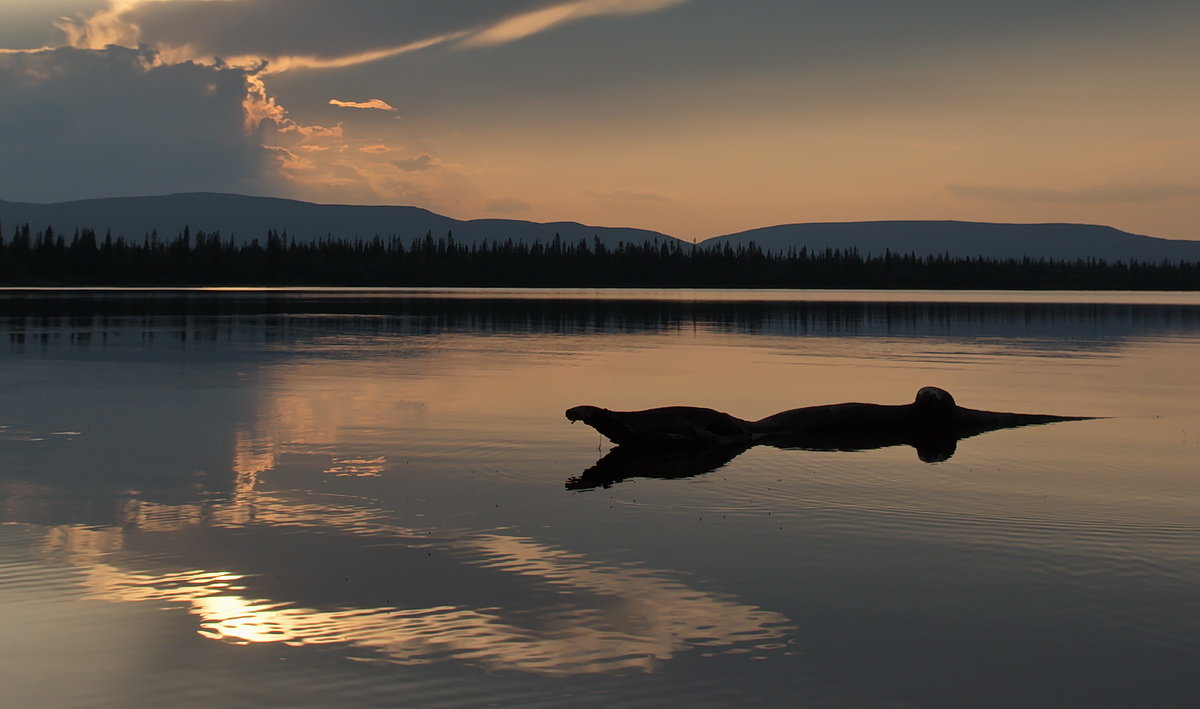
507,205
530,23
25,51
117,24
420,163
627,196
280,64
1110,193
375,103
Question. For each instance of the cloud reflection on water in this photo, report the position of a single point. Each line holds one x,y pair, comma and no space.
604,617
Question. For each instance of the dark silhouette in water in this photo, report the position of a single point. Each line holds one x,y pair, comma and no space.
683,441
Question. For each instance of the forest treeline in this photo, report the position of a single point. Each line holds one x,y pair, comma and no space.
193,259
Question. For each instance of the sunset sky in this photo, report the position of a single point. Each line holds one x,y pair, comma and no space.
692,117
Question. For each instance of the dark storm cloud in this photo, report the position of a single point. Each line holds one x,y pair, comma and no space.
78,123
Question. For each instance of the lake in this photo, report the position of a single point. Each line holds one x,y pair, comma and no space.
342,497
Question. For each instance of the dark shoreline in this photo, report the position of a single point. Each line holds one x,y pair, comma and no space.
49,259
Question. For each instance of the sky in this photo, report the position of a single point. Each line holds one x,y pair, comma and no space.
692,117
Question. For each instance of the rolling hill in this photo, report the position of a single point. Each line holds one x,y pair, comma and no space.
969,239
245,218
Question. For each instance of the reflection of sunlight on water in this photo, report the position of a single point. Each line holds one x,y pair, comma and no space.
252,457
603,617
567,641
357,467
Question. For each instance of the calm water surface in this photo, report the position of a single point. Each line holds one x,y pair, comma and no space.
361,498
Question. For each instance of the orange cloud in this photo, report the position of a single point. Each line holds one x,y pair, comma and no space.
420,163
530,23
278,65
376,103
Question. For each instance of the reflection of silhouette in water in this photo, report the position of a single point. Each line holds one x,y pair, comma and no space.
683,441
34,320
663,461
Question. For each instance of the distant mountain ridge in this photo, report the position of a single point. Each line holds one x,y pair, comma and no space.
246,218
969,239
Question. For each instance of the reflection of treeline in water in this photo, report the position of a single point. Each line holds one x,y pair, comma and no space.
209,259
142,321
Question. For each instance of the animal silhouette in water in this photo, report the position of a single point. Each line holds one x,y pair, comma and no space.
682,441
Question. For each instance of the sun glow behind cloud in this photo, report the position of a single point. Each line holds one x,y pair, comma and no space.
326,162
110,25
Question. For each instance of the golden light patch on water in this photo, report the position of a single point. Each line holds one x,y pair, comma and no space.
358,467
630,633
604,617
